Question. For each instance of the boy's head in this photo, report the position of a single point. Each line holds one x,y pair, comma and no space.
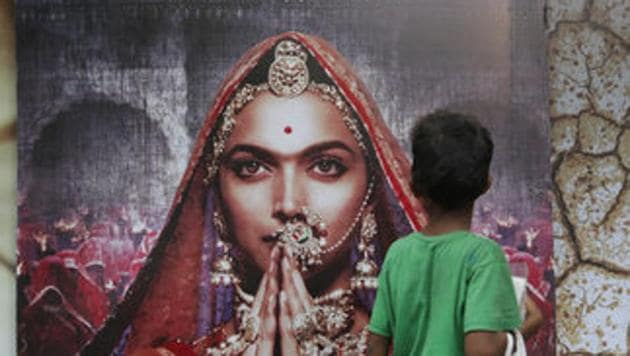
451,159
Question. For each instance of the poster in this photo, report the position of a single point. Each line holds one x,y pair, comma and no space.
123,105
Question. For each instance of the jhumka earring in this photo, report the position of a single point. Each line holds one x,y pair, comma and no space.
366,271
222,271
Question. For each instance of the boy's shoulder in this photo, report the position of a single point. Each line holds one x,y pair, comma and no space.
477,245
482,241
402,246
404,242
484,249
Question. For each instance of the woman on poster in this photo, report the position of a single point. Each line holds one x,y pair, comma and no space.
294,190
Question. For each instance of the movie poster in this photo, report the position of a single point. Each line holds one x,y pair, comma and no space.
166,148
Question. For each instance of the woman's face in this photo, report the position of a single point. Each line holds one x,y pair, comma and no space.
285,154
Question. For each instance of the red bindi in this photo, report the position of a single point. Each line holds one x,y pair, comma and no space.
288,130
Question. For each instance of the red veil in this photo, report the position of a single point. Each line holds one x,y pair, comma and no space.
52,326
169,298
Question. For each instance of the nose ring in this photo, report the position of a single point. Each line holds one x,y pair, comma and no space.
304,236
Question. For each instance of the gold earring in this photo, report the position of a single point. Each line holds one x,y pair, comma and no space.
222,271
366,271
219,224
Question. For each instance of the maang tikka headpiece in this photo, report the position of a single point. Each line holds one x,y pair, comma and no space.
288,76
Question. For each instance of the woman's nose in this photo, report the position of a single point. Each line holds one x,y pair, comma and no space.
288,195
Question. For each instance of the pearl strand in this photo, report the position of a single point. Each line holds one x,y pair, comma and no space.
343,239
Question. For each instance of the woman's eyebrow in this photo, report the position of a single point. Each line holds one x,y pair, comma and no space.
256,151
268,156
328,145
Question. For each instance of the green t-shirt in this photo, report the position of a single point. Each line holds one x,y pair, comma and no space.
433,290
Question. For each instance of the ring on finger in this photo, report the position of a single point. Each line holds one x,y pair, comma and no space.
304,325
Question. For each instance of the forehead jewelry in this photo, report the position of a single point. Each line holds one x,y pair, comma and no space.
288,76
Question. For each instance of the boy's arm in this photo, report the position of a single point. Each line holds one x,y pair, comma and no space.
377,345
534,318
490,307
485,343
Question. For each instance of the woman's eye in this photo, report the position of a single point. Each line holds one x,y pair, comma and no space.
329,167
248,168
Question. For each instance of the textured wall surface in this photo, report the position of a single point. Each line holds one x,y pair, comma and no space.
589,89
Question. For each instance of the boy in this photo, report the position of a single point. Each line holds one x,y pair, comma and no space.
445,291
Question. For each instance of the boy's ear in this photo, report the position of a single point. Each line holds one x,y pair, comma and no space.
424,202
488,184
414,189
422,199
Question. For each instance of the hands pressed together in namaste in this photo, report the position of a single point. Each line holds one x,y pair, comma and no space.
282,297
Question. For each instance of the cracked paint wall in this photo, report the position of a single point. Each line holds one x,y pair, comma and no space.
589,77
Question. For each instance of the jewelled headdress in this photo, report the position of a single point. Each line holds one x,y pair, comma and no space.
288,76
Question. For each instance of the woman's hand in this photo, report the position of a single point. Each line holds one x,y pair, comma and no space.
264,307
294,300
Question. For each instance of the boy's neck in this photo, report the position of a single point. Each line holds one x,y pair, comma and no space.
444,221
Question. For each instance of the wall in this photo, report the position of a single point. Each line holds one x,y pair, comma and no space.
589,71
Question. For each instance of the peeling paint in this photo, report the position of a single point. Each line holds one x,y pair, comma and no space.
589,78
588,304
597,135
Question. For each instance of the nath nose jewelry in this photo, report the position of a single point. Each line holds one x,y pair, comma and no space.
304,237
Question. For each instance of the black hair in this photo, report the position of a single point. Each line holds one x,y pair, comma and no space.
451,159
